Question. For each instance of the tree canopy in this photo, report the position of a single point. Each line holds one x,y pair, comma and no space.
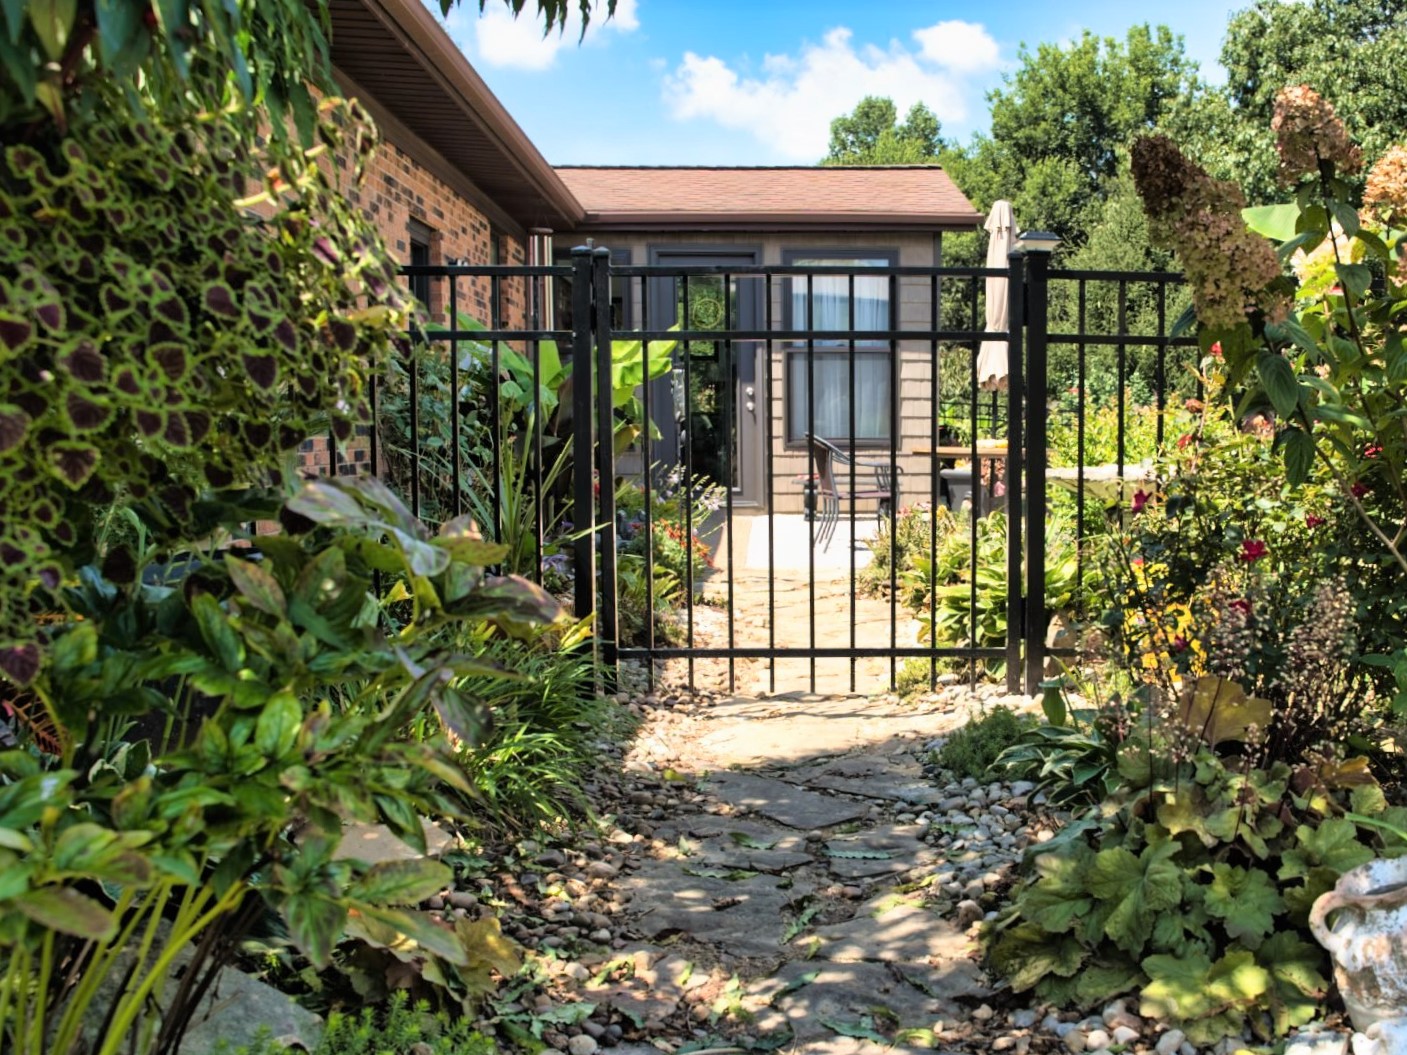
871,134
1353,52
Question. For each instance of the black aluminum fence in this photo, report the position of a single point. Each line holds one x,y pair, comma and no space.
753,488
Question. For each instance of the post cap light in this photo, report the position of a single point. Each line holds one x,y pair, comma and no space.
1037,242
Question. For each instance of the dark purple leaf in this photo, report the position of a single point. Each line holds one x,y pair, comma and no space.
14,425
74,462
177,434
127,382
218,477
173,310
150,422
160,332
258,434
220,300
86,414
14,332
84,362
20,663
120,566
198,422
51,315
286,335
114,300
344,334
262,370
171,358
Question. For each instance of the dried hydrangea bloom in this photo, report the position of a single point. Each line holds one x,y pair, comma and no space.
1385,195
1229,267
1307,133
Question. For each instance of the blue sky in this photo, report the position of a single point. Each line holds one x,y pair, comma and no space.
756,82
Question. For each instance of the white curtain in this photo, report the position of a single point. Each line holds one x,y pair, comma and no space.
830,311
830,306
831,407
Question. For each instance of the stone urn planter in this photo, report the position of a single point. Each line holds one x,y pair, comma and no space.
1363,924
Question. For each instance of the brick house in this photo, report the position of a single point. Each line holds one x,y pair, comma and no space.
458,180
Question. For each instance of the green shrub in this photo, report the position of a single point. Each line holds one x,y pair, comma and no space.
971,750
546,718
1191,884
917,674
396,1030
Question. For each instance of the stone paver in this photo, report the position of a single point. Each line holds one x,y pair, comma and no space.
786,803
788,878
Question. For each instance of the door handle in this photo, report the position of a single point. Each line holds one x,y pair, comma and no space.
749,392
751,406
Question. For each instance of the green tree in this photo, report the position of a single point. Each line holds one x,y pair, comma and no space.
1062,120
1353,52
872,135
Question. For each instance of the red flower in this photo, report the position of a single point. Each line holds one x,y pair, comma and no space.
1140,499
1179,644
1358,490
1216,349
1242,605
1252,550
1372,450
1312,521
1184,440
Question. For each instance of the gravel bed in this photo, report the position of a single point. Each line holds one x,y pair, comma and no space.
561,899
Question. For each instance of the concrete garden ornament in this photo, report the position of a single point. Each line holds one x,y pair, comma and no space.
1363,924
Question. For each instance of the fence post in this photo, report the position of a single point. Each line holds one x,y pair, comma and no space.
1016,309
583,497
605,460
1037,314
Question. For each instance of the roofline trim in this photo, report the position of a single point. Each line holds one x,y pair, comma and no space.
432,47
805,219
396,134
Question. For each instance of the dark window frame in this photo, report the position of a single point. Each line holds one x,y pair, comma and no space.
792,349
562,291
421,238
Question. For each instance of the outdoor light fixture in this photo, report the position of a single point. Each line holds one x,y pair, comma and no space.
1036,242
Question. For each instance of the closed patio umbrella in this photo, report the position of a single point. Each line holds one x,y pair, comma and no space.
991,357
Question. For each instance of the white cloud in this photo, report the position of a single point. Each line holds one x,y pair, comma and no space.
790,105
496,38
963,47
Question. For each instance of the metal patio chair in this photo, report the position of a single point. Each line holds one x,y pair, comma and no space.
826,489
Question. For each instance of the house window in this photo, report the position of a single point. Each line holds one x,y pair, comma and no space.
420,236
823,304
620,292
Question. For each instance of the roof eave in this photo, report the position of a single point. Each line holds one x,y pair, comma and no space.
411,22
793,221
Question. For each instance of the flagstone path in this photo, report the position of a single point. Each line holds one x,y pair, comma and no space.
813,871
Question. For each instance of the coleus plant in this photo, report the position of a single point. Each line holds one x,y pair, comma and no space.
283,693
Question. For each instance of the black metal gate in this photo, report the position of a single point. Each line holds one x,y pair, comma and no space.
794,478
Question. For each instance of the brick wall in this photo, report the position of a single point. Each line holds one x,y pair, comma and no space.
406,201
397,191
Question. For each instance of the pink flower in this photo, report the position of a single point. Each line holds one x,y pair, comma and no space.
1242,605
1216,349
1312,521
1179,644
1372,450
1252,550
1140,499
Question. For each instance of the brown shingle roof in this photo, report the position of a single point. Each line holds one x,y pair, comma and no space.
909,196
